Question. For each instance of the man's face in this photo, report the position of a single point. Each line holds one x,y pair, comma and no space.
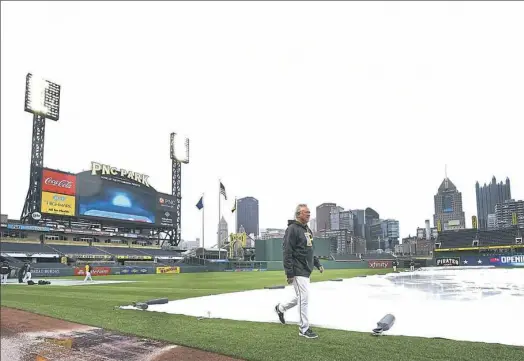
304,215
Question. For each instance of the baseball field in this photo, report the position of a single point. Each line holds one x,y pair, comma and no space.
94,305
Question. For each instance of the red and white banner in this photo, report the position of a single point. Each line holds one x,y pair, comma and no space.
96,271
58,182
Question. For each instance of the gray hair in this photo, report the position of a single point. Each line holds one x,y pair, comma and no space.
298,209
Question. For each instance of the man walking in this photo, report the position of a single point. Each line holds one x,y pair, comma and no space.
5,270
88,273
27,274
299,261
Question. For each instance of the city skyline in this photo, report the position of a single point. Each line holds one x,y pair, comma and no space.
380,116
488,196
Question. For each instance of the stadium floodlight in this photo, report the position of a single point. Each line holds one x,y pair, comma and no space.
179,148
42,97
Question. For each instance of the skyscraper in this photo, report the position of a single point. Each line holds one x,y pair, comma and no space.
359,222
448,207
346,221
488,196
323,216
509,213
247,215
334,217
222,232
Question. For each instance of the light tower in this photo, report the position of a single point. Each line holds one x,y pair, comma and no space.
179,154
42,99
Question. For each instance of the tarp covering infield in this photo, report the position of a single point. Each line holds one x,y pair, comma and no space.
469,304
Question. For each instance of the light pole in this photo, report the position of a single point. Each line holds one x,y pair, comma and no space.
42,99
179,152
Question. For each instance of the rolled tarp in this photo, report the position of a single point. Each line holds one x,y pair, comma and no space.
384,324
274,287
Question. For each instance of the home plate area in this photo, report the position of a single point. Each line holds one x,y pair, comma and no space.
26,336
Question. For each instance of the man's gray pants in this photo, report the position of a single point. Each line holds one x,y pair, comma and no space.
301,285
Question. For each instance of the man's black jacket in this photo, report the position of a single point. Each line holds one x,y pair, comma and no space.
5,269
299,258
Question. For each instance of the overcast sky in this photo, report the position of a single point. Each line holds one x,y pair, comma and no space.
361,104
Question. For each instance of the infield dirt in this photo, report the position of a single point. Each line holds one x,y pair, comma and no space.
27,336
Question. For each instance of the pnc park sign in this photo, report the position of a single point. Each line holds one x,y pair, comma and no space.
104,169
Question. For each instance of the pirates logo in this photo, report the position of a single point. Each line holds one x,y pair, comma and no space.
309,239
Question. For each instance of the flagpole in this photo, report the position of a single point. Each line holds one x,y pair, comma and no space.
219,218
235,216
203,242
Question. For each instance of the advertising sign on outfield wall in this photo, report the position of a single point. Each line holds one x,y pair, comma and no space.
448,261
516,260
380,264
97,271
496,260
168,270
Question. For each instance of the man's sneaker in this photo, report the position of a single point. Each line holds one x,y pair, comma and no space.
280,315
308,334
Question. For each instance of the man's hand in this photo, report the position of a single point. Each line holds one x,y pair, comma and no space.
321,269
290,280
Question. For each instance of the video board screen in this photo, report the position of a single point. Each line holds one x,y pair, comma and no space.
108,197
106,192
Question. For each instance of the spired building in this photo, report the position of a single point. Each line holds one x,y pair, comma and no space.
222,232
448,207
488,196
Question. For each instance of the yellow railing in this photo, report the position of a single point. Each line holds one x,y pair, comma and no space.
66,243
475,248
20,240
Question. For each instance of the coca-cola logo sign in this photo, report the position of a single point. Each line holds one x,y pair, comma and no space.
58,182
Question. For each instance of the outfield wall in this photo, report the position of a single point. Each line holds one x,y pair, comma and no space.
209,267
468,259
498,256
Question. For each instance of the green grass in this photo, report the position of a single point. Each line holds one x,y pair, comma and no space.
94,305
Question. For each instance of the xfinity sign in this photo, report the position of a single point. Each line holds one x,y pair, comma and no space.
104,169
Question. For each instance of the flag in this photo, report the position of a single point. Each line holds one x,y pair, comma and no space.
223,190
200,203
234,206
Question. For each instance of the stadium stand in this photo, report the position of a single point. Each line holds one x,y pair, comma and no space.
497,237
345,257
159,252
378,256
68,249
19,247
464,238
122,251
